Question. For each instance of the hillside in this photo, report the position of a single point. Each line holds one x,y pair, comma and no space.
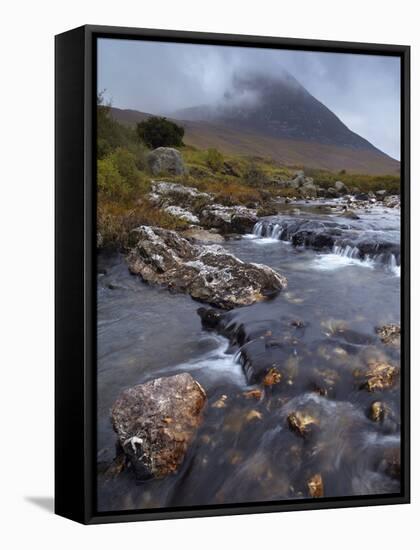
277,119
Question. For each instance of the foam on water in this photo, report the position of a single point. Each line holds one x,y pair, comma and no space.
216,364
330,262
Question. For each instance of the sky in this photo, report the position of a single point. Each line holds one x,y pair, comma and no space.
159,78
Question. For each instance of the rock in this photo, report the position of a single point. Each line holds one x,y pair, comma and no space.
253,415
229,219
378,411
182,214
156,422
332,193
308,189
220,403
166,193
207,272
378,376
391,462
197,234
341,187
316,486
351,214
392,201
99,240
253,394
302,423
380,195
166,160
272,377
389,334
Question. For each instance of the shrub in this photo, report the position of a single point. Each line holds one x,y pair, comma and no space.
118,175
255,176
110,133
214,160
160,132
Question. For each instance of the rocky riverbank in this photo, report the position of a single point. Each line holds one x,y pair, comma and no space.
315,410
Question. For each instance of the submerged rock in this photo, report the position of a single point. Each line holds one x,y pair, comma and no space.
389,334
166,160
302,423
316,486
378,376
156,422
207,272
378,411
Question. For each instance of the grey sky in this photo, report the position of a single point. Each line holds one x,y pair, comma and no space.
156,77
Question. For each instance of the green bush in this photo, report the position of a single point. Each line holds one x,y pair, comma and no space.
254,176
119,176
110,182
160,132
214,160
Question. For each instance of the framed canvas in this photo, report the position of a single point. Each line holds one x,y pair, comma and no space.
232,274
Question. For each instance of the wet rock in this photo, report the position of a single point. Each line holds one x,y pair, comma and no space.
378,376
392,201
316,486
229,219
302,423
253,394
378,411
156,422
253,415
220,403
389,334
166,160
272,377
207,272
391,463
324,381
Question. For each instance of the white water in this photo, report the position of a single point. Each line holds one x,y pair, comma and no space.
340,256
216,365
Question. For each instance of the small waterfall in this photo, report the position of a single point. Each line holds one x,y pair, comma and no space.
270,231
347,251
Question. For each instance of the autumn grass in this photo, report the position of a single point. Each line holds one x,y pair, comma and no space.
116,219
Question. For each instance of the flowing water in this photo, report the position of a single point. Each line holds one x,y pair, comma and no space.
244,450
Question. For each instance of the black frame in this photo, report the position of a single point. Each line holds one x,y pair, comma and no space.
75,269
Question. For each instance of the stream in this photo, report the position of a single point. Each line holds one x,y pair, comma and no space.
244,450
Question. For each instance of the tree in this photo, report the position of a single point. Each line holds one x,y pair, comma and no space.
160,132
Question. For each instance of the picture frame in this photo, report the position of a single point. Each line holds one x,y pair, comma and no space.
76,89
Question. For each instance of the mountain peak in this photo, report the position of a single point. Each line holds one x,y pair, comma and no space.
277,106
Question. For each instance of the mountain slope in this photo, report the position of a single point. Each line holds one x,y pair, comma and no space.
280,119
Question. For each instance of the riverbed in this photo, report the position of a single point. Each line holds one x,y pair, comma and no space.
244,450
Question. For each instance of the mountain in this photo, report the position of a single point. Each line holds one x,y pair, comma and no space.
277,107
277,118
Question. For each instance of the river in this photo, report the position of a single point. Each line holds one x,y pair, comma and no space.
244,450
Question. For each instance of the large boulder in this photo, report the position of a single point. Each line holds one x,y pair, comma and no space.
156,422
341,187
207,272
166,160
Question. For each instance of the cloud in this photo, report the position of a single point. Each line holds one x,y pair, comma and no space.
158,77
